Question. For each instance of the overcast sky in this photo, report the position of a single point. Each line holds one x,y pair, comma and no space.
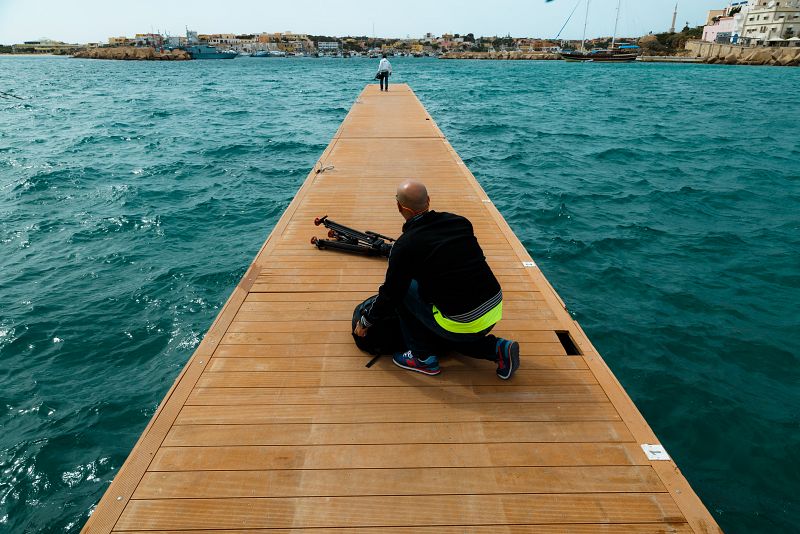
96,20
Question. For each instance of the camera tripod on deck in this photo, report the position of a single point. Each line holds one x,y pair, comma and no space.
347,239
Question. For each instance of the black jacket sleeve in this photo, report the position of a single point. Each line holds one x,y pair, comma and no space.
394,288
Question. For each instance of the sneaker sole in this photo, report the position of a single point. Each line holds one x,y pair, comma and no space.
416,369
514,350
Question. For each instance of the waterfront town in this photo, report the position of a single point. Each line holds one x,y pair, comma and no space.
740,26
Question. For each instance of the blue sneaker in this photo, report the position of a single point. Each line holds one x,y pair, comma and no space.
407,360
507,357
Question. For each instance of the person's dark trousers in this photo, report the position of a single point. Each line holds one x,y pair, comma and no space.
384,79
424,336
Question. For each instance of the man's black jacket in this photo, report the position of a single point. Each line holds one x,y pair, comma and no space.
440,252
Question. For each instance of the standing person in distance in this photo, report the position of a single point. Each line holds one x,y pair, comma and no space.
384,71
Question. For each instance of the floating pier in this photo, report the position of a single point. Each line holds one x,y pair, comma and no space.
276,425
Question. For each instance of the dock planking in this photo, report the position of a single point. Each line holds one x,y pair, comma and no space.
275,424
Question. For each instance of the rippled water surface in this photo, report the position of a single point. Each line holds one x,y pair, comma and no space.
662,202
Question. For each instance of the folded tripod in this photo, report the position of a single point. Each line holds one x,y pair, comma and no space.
348,240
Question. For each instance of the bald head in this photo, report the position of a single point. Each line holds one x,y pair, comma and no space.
413,195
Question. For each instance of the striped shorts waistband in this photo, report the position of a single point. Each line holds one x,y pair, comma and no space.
478,312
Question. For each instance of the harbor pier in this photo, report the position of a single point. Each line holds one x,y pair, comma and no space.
275,424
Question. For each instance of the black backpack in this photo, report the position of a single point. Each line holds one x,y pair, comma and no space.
383,337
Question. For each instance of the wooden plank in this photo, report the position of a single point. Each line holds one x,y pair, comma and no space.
313,350
249,458
514,395
344,336
389,377
616,528
309,287
427,481
510,298
393,433
382,511
345,313
356,364
528,326
393,413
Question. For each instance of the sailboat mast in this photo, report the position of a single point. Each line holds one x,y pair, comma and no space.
585,22
616,23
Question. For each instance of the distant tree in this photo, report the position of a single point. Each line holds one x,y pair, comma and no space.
323,38
470,38
788,34
677,41
693,33
650,44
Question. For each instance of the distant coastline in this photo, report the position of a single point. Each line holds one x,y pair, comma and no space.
511,55
133,54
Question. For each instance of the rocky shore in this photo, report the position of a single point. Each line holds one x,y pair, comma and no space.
782,57
133,53
501,55
738,55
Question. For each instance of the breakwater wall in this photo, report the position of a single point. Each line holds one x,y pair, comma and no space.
133,53
741,55
501,55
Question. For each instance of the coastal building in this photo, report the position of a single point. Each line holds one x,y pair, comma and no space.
219,39
297,47
175,41
328,47
46,46
719,31
714,14
148,39
121,41
739,12
725,26
771,22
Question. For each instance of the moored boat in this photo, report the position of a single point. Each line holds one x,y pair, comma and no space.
622,54
616,55
204,51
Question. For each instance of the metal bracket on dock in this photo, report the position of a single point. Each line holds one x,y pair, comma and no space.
655,452
529,264
486,200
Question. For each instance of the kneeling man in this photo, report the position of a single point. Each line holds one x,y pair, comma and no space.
440,284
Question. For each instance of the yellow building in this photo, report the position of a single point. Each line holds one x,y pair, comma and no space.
120,41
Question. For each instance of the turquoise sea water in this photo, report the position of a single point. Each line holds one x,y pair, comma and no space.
661,201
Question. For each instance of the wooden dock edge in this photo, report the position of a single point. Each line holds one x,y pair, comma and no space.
109,509
695,512
111,505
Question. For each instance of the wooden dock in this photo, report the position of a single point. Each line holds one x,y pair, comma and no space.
276,425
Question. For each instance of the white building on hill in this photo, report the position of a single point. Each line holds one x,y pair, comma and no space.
726,25
771,22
